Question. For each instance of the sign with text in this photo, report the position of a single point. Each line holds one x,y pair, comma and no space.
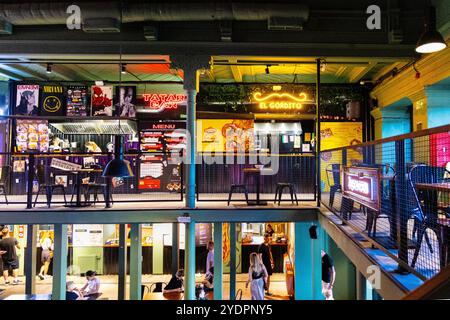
280,102
157,102
64,165
362,184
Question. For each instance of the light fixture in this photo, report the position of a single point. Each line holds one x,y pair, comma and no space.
118,167
276,88
323,65
123,68
49,68
267,69
430,40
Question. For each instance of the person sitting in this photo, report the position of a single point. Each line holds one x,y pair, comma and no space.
92,285
209,279
72,292
176,283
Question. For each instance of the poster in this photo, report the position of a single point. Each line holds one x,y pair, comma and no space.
52,101
335,135
220,135
86,235
101,101
126,101
77,101
32,135
19,166
61,180
27,99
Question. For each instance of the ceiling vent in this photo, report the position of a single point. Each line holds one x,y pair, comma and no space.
5,27
151,33
284,23
101,25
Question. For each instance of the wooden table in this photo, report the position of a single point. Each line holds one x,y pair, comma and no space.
257,173
443,187
164,296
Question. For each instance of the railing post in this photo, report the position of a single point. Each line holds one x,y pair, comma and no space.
218,261
122,281
344,157
30,259
401,196
30,181
135,262
189,261
108,187
60,262
232,261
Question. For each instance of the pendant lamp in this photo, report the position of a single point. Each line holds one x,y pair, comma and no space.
430,40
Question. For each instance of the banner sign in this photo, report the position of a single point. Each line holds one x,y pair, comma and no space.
363,185
64,165
157,102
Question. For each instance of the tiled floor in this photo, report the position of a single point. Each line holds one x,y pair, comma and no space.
109,286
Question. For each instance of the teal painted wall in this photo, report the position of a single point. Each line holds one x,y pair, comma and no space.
438,105
345,284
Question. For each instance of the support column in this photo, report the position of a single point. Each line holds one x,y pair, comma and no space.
135,262
190,66
175,248
218,261
360,286
59,262
189,261
402,214
303,268
232,261
122,281
321,243
318,173
30,259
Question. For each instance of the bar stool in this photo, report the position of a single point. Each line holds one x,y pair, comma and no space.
238,187
279,191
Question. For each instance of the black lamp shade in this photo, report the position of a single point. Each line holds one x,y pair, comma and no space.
431,40
118,167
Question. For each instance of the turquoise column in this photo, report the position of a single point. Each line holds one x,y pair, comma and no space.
135,262
30,259
218,261
321,243
59,262
232,261
189,261
303,279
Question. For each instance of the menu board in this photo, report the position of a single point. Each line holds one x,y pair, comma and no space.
32,135
158,140
102,101
219,135
27,98
52,101
203,234
85,235
77,101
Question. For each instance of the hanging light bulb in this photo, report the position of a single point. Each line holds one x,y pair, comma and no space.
430,40
267,69
49,68
123,68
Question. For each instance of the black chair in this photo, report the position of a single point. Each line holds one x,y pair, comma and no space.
47,186
144,288
237,188
425,214
95,186
335,169
279,191
4,178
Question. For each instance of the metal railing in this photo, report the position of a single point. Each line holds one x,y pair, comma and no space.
412,222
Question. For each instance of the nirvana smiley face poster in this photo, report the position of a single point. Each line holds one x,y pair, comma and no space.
52,101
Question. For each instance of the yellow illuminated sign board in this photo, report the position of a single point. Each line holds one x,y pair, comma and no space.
280,101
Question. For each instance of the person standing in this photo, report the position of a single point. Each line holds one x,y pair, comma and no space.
10,259
209,258
46,255
266,257
257,276
328,276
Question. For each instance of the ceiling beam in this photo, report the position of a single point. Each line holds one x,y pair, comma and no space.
359,72
236,71
9,75
23,71
387,69
80,71
340,71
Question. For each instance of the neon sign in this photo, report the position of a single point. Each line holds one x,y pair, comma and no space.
280,101
362,184
160,101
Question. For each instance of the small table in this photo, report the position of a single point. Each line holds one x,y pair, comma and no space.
257,172
164,296
78,203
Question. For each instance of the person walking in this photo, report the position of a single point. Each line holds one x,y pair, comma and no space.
257,276
10,259
266,257
46,255
328,276
209,258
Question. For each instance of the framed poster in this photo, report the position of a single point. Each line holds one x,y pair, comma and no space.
101,101
52,101
32,135
77,101
27,97
126,101
85,235
61,180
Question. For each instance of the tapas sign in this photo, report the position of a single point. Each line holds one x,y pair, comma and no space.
157,102
362,184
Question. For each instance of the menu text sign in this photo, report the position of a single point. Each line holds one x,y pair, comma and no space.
362,184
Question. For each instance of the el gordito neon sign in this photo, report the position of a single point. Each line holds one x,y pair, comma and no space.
160,101
280,101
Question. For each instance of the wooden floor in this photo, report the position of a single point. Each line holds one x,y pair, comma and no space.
108,286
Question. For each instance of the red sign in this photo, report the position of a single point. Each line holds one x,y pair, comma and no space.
160,101
362,184
148,183
21,231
